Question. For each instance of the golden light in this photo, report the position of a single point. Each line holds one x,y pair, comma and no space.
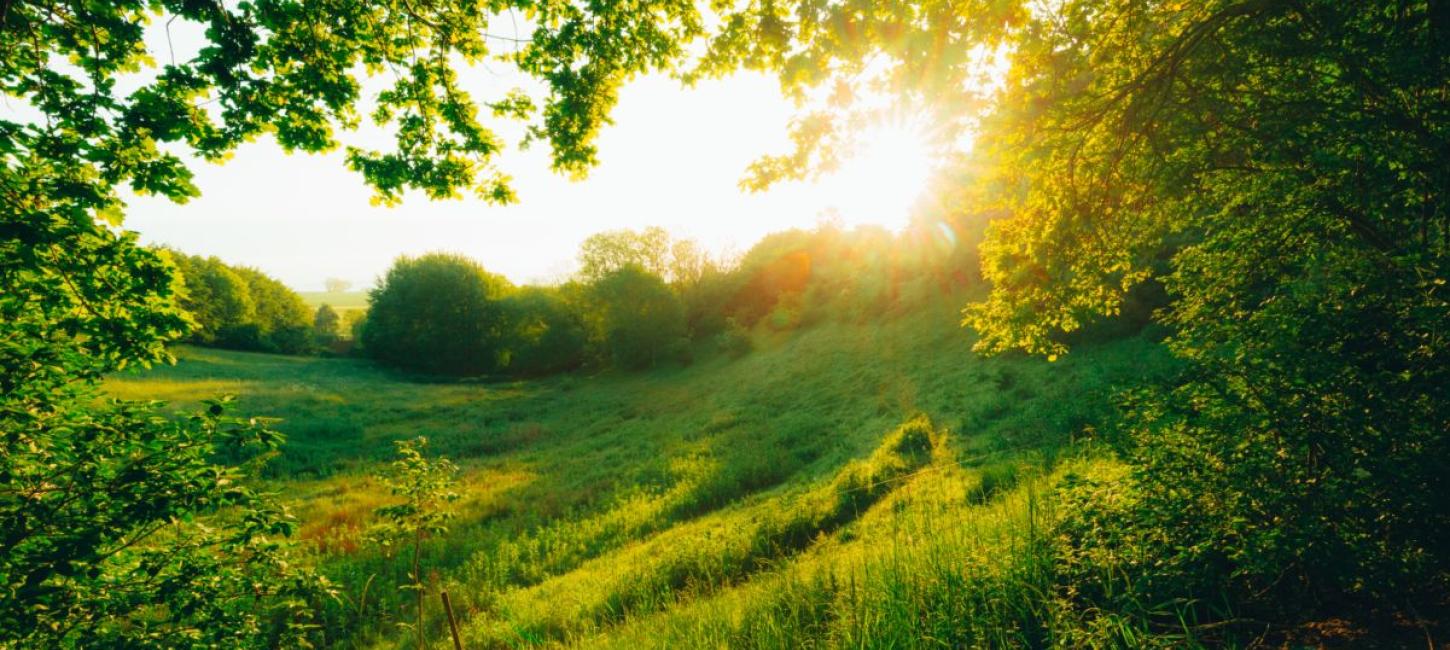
883,179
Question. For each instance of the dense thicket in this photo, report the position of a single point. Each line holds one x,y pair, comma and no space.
241,308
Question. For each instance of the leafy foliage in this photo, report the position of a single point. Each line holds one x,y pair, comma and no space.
438,313
640,316
1288,161
120,529
240,307
427,487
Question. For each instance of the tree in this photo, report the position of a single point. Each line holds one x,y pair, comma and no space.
336,285
281,316
606,252
687,264
1301,213
641,316
546,332
241,308
438,313
215,296
326,325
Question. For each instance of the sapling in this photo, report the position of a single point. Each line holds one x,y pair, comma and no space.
427,487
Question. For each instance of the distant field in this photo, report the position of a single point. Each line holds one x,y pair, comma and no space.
339,300
784,499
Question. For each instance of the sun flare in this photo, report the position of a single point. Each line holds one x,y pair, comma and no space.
880,182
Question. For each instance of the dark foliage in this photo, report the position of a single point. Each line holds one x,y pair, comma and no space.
439,314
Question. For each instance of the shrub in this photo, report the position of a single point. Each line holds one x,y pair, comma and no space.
641,316
546,333
240,336
440,314
292,339
995,478
912,438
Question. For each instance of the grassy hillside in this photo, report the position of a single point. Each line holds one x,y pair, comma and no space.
841,485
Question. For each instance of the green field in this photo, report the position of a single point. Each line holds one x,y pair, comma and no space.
841,485
340,300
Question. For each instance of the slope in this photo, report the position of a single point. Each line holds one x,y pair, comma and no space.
782,498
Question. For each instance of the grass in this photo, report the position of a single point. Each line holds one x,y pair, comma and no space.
842,485
339,300
349,305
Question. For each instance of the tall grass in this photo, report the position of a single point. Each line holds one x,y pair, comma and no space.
790,496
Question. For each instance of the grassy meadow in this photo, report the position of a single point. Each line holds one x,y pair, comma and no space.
842,485
340,300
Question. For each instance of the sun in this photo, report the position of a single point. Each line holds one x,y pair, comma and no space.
883,178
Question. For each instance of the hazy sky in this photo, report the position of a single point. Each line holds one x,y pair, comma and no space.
672,159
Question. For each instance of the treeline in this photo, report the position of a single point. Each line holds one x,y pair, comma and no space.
643,298
640,299
241,308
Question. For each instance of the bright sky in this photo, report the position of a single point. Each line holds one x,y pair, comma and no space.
673,159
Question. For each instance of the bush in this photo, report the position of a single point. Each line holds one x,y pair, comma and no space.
293,339
641,316
912,438
993,479
241,336
546,333
438,314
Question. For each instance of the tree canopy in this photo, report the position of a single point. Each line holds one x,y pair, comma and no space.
240,307
438,313
640,317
